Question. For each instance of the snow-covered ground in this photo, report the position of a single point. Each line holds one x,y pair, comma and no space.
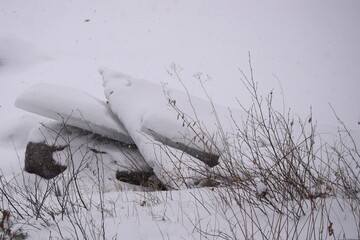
306,52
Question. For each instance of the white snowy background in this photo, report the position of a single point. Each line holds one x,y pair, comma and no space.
307,52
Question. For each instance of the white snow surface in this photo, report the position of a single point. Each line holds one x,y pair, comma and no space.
309,47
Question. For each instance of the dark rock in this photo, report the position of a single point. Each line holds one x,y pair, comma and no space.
39,160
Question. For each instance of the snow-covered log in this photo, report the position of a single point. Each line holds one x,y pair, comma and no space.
73,107
169,127
178,137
